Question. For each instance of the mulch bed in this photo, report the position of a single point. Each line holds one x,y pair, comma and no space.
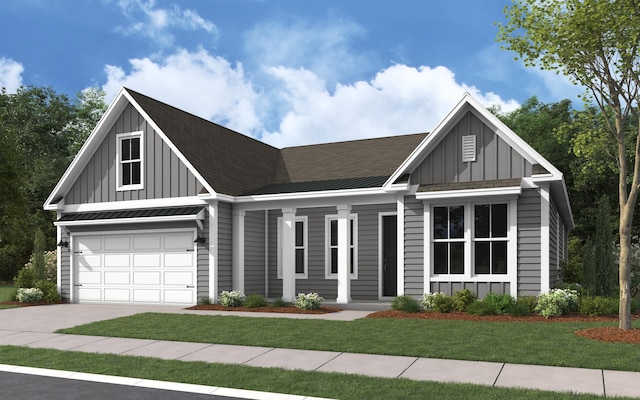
603,334
18,304
267,309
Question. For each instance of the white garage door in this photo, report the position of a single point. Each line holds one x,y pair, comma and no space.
149,268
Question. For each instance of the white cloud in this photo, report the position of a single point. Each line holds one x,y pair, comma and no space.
10,74
398,100
197,82
156,23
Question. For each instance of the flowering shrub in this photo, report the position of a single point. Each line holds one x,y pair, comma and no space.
309,301
231,299
50,265
438,302
557,302
29,295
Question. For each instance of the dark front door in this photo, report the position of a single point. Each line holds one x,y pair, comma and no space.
389,256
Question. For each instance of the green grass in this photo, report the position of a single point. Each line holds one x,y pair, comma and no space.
511,342
330,385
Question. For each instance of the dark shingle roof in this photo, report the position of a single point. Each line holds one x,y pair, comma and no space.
317,186
145,213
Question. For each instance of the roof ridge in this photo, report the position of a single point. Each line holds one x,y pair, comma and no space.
356,140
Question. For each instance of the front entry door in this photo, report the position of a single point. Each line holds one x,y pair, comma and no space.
389,256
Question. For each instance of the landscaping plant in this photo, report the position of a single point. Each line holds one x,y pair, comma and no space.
231,298
255,301
501,302
308,301
462,299
405,303
557,302
438,302
29,295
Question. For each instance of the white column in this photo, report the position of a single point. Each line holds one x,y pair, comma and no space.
238,250
400,245
288,254
544,239
344,286
213,251
59,256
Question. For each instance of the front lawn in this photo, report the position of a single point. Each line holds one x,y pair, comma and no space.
328,385
539,343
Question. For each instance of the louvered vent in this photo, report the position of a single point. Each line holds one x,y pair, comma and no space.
468,148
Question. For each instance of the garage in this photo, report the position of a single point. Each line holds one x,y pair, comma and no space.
139,268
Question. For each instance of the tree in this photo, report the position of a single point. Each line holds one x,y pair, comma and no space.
596,44
598,277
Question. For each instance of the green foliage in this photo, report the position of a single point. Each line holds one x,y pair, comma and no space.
557,302
49,291
204,300
405,303
231,298
524,305
438,302
479,307
255,301
38,256
598,305
600,272
308,301
26,278
29,295
462,299
279,303
571,269
501,301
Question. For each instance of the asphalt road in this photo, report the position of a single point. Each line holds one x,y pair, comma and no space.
18,386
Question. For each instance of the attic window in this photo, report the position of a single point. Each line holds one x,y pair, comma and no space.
468,148
129,161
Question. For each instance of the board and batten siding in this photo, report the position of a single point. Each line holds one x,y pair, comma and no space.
254,252
480,288
413,246
529,243
164,174
495,159
225,251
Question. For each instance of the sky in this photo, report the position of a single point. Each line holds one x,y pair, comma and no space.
286,72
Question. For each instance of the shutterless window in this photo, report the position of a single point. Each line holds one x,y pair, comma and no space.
300,247
130,160
333,246
490,239
448,246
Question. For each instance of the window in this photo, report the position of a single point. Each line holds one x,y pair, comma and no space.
490,239
129,153
331,229
448,246
300,243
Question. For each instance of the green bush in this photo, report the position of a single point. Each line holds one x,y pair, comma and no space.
557,302
443,303
255,301
49,291
482,308
462,299
405,303
26,278
524,305
501,302
598,305
279,303
204,300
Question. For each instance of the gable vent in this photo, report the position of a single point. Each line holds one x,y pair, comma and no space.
468,148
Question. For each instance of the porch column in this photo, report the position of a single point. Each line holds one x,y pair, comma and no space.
238,250
427,246
544,238
213,251
344,286
288,254
400,244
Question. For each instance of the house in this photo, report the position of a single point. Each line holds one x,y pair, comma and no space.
162,207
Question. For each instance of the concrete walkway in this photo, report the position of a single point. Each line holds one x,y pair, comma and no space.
35,326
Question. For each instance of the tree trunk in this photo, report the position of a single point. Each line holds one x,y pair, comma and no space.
626,217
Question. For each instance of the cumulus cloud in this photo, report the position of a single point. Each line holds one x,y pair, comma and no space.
197,82
148,20
398,100
10,74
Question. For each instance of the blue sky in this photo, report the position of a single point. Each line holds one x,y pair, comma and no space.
288,72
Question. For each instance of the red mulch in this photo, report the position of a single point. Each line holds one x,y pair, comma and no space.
18,304
268,309
604,334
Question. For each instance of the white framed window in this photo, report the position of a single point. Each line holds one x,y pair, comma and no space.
331,246
490,239
301,242
129,161
448,240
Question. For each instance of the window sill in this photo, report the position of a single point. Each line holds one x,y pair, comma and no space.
129,187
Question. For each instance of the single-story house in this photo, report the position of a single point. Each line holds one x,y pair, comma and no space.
162,207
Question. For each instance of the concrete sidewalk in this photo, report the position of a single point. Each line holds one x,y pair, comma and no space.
578,380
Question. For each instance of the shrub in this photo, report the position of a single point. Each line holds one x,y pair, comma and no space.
598,305
405,303
524,305
29,295
204,300
255,301
501,302
309,301
231,299
438,302
557,302
279,303
49,291
26,278
463,298
482,308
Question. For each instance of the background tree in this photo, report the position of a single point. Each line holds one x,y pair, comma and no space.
599,267
595,43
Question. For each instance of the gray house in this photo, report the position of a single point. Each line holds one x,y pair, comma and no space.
162,207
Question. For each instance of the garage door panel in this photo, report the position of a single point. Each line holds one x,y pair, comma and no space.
147,243
146,295
90,294
178,278
117,295
178,260
146,278
178,296
146,261
116,243
117,278
117,261
178,242
90,278
89,244
89,262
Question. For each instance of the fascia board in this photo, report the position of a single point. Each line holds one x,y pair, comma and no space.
457,194
87,150
135,204
114,221
169,143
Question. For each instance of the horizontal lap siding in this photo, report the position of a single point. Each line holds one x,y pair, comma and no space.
480,288
367,284
203,261
529,244
65,270
413,247
275,284
225,255
554,270
254,252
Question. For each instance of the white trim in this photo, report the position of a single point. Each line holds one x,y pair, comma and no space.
213,251
463,194
288,254
133,204
400,245
512,256
303,201
237,225
327,247
139,220
345,235
381,216
59,256
427,256
544,239
120,187
305,220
